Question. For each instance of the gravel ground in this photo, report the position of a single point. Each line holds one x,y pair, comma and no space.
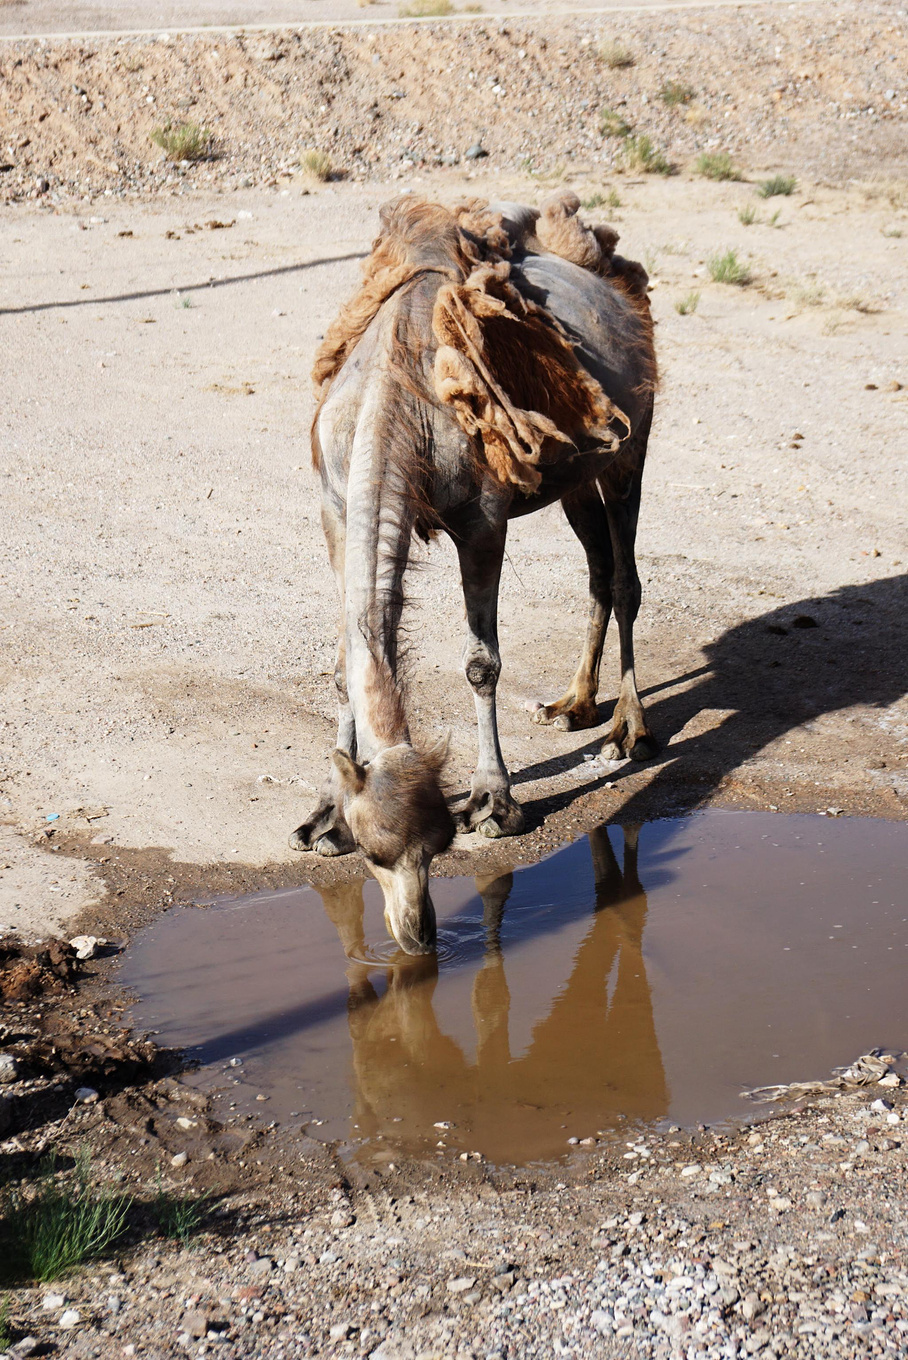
785,1240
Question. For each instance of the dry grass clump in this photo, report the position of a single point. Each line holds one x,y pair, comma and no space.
687,305
675,93
747,215
426,9
183,141
716,165
642,155
615,54
778,185
611,124
318,164
807,294
727,268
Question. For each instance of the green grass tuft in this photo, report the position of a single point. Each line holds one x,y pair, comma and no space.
716,165
611,124
615,54
6,1337
183,141
747,215
687,305
727,268
640,154
597,200
779,185
673,93
61,1225
178,1216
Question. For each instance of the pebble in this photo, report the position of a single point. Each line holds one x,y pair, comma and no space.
51,1302
86,1095
71,1318
9,1067
179,1159
261,1267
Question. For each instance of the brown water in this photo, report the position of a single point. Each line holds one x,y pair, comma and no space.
641,974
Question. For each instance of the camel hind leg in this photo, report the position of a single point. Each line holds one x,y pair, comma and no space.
577,707
629,734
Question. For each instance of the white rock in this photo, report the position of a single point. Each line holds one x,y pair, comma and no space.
185,1123
51,1302
9,1067
86,1095
71,1318
461,1284
86,946
693,1170
180,1159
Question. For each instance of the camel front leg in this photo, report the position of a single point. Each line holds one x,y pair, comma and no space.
490,809
325,830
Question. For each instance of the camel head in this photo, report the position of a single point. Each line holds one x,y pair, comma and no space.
396,811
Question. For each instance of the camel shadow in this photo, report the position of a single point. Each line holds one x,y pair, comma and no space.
768,677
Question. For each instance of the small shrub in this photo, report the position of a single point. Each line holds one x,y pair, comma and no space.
727,268
673,93
318,164
687,305
426,9
894,233
183,141
597,200
716,165
611,124
615,54
779,185
59,1226
747,215
640,154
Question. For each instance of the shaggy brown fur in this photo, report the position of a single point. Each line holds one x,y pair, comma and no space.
502,363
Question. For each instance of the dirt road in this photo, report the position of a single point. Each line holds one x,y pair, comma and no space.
56,17
168,619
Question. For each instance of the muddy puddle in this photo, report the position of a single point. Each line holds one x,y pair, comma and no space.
641,975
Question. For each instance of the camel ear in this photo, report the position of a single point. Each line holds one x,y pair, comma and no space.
353,776
436,756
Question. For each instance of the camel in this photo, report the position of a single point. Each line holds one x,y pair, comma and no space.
496,359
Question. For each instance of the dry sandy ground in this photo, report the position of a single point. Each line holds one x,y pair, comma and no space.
168,614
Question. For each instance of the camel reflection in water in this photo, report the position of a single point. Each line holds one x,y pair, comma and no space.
594,1057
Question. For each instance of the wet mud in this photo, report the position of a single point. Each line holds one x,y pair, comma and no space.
644,976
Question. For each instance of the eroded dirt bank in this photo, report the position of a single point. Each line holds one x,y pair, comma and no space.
821,84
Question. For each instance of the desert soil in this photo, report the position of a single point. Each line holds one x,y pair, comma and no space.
168,623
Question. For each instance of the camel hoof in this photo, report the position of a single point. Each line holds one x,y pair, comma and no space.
644,748
490,829
333,843
532,705
611,751
563,722
297,839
